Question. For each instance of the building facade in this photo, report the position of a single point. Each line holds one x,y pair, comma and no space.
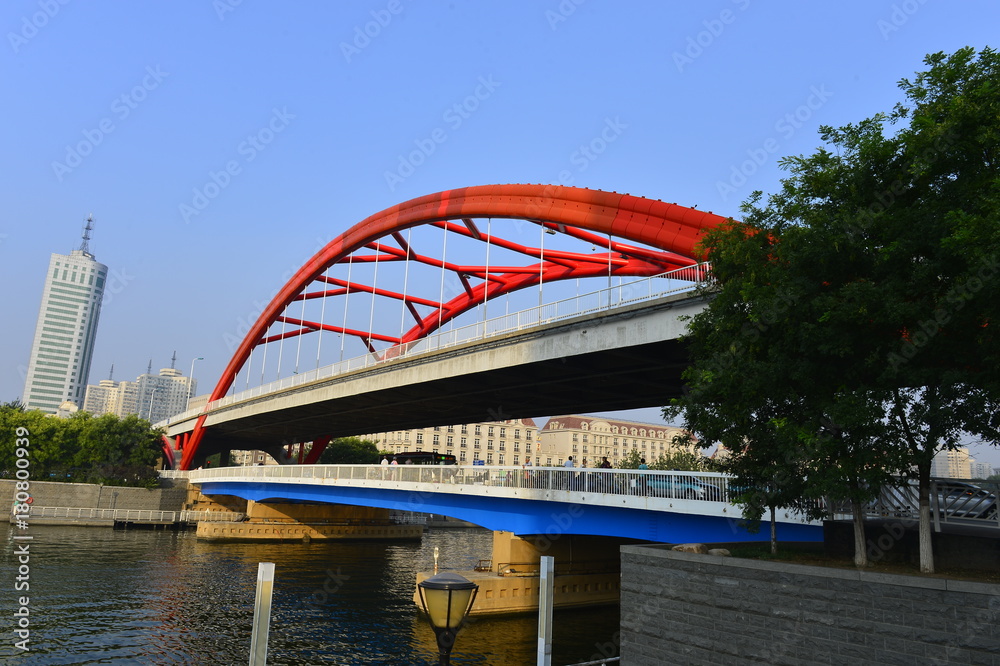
63,346
590,438
954,464
153,397
510,442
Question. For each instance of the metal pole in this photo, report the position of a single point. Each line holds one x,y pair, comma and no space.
261,614
546,593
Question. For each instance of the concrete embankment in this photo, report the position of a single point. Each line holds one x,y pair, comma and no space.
93,504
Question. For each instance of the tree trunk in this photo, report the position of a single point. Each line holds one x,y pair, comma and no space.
774,532
860,552
924,494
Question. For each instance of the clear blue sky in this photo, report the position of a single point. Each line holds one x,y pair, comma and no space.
124,110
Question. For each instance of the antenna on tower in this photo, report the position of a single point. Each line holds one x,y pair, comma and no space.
85,245
111,375
173,360
149,368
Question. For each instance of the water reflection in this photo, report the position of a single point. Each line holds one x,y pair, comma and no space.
102,596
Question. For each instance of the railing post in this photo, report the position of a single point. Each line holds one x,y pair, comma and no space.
546,596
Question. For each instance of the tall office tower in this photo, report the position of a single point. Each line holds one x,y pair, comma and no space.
67,326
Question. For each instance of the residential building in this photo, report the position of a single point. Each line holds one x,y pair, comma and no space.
509,442
62,349
153,397
952,464
591,438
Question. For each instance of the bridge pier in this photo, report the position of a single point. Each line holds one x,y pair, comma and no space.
588,572
305,522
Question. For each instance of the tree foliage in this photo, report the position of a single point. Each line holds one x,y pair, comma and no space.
853,327
350,451
82,448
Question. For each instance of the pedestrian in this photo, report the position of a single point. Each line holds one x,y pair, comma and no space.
604,463
395,460
384,461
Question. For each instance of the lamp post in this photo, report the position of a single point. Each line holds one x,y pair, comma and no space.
191,375
149,414
447,599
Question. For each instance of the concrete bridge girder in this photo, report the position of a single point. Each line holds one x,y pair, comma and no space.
626,358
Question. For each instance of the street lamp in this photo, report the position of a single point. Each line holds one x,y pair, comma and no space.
191,375
149,415
447,599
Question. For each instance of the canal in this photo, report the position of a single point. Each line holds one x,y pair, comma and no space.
99,596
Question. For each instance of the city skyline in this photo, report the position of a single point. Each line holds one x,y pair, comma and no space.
220,145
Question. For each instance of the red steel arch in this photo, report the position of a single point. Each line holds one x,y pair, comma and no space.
589,215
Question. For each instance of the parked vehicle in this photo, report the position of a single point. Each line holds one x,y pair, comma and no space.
965,500
679,486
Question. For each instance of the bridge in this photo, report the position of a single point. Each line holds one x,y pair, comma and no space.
449,264
541,501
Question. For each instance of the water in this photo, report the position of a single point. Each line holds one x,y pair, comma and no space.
100,596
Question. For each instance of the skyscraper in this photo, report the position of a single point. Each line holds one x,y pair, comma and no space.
67,327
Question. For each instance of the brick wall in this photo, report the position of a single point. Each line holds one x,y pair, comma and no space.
87,496
704,609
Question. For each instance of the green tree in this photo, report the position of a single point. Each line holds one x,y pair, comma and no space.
850,334
350,451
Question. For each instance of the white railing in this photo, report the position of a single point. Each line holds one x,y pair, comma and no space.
645,289
952,502
708,486
134,515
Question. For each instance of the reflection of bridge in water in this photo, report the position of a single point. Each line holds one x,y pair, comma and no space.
637,504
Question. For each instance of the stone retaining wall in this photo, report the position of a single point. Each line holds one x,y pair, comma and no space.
91,496
704,609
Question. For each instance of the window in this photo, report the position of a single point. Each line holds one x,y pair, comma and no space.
517,433
489,458
500,460
503,432
527,448
465,430
548,462
479,430
489,445
450,440
463,442
490,431
584,438
574,448
584,426
503,445
517,447
475,443
437,439
461,456
420,438
574,436
516,461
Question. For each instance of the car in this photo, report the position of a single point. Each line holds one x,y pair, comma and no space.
964,500
679,486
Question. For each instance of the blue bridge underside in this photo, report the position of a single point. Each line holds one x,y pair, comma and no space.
525,516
